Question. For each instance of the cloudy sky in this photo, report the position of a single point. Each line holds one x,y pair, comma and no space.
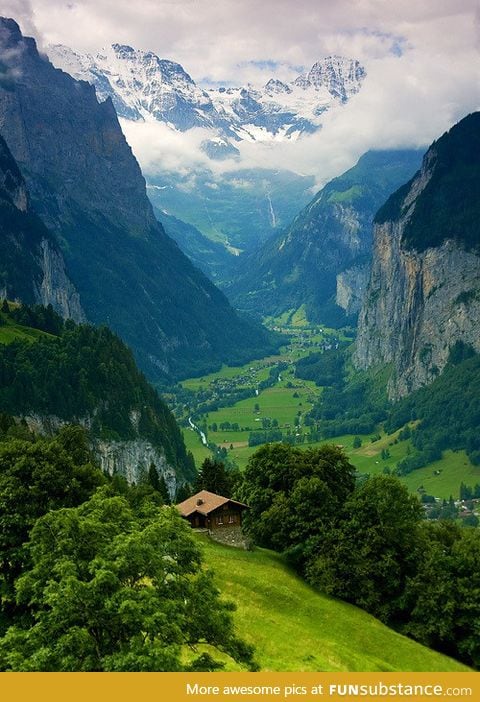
421,56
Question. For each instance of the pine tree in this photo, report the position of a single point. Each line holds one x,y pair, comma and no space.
214,478
163,490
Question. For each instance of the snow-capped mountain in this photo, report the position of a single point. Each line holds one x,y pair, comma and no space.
145,87
281,110
141,85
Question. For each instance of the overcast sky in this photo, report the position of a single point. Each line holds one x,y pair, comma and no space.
421,57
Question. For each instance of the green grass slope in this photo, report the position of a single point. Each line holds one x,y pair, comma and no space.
295,628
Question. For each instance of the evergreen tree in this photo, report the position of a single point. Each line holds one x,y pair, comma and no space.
163,490
153,477
214,478
184,491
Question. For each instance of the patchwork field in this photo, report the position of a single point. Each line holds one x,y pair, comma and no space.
285,405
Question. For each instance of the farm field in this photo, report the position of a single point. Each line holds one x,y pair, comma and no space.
193,444
286,403
294,627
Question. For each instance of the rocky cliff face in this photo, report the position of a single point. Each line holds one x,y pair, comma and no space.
351,287
130,459
33,266
56,288
422,299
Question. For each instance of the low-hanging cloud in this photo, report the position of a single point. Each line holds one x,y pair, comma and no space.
22,11
421,61
405,102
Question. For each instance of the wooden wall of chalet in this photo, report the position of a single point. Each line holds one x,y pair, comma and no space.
226,516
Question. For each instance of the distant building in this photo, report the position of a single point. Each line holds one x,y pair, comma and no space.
222,516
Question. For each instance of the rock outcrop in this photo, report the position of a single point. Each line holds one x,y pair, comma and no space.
33,268
351,287
424,291
130,459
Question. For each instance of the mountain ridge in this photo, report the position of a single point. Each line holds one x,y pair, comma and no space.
144,87
88,189
322,258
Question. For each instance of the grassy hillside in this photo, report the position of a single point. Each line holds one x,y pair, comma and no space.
295,628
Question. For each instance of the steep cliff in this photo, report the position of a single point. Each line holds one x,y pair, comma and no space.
330,237
87,187
424,289
32,269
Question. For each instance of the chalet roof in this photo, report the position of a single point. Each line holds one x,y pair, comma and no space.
205,502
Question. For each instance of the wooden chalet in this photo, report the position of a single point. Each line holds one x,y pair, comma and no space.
206,510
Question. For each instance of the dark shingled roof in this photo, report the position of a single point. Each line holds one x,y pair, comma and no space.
205,502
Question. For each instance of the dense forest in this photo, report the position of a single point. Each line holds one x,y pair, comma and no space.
448,206
79,372
70,535
444,415
366,542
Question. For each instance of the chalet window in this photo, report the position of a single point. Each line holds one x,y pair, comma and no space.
220,520
231,519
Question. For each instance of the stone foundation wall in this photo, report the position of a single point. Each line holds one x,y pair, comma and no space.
231,536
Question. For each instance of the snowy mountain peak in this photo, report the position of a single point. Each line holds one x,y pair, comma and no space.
143,86
275,86
341,76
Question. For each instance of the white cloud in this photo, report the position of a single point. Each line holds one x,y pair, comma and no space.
421,59
22,11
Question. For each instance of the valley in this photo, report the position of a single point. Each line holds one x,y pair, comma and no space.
196,348
235,428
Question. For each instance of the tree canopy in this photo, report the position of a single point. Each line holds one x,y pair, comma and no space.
107,591
294,495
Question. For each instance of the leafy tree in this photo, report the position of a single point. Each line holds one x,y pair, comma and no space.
214,478
357,442
110,592
35,478
294,495
443,597
368,558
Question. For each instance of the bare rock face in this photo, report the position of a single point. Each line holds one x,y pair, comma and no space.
130,459
417,306
422,299
351,287
56,288
33,266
